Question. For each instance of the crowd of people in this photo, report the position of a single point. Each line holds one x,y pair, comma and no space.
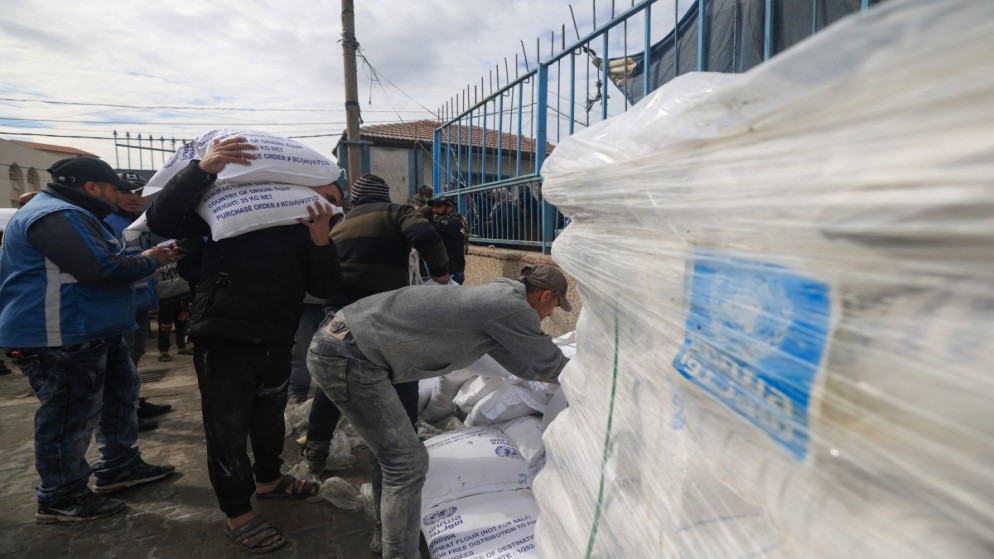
269,310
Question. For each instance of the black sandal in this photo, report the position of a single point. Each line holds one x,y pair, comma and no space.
252,533
299,489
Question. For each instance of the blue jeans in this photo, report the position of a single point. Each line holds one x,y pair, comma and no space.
82,388
137,338
366,396
300,377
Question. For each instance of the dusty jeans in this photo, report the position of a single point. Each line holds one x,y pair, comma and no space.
82,388
365,395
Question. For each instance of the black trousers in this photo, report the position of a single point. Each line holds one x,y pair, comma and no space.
243,390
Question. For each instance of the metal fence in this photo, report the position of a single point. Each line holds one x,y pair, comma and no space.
144,152
489,152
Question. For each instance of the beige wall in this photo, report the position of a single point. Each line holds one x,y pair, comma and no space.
27,164
392,165
485,264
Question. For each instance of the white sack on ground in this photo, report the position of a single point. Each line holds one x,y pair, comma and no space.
472,461
788,296
474,390
526,434
505,403
440,402
450,387
279,160
482,527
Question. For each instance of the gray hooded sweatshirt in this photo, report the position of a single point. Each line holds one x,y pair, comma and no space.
420,332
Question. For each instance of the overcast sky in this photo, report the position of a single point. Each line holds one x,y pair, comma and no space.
279,62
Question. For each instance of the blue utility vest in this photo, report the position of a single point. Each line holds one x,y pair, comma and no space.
43,306
145,289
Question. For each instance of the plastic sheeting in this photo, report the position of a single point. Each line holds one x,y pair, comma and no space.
785,346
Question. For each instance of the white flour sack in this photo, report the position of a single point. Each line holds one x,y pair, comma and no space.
231,209
279,160
493,526
472,461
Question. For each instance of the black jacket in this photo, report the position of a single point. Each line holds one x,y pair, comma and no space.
375,241
251,286
452,229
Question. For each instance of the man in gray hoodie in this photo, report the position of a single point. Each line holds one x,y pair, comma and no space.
360,352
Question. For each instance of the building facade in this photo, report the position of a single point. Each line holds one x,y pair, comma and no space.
401,153
23,167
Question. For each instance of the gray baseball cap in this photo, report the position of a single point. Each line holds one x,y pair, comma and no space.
548,277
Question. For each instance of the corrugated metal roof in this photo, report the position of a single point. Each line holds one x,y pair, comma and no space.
53,148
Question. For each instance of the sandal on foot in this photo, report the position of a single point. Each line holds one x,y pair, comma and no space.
251,534
299,489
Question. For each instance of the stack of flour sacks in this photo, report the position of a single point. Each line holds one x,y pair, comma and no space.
275,189
477,499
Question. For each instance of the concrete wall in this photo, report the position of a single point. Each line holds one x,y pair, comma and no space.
485,264
393,165
22,170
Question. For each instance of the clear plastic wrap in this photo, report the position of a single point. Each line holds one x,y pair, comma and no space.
787,333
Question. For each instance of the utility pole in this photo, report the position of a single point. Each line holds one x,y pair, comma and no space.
349,46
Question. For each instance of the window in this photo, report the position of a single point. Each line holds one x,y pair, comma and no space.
16,177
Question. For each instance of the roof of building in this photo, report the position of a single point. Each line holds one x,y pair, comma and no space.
404,134
52,148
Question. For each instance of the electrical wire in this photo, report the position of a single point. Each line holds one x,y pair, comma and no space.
166,107
378,73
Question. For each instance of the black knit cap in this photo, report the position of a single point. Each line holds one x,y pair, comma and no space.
370,188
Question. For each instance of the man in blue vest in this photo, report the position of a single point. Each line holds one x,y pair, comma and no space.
66,302
129,208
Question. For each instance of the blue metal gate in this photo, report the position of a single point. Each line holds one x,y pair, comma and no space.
489,152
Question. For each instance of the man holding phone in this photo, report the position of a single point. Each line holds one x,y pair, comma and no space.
65,305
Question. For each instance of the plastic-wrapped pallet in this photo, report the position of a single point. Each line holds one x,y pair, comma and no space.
788,305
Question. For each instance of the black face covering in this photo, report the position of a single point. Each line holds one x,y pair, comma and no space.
94,205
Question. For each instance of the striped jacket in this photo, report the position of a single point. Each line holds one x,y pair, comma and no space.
374,244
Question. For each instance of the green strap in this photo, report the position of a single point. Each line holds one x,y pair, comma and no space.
607,445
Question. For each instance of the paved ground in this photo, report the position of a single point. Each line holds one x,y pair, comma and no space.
174,518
